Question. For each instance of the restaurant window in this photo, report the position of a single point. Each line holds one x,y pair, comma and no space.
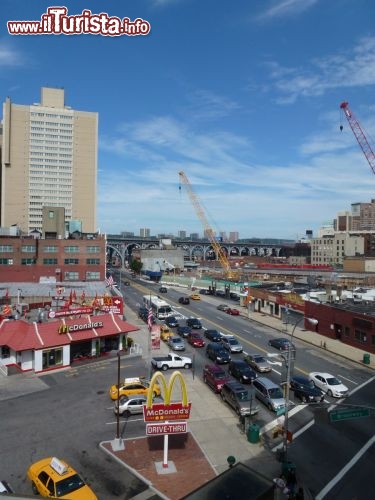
52,357
71,276
360,336
92,276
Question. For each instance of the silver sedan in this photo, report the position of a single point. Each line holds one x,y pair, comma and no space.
258,362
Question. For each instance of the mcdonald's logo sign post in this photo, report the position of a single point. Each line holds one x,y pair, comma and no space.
161,413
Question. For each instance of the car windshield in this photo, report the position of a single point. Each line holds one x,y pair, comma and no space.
242,395
220,375
221,352
275,393
333,381
259,359
68,485
176,341
232,342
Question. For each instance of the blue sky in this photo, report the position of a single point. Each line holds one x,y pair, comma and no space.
242,96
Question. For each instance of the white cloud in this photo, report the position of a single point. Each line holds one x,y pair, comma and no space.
351,68
9,56
286,8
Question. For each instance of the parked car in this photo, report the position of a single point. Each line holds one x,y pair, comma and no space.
212,335
217,353
195,339
231,344
232,311
258,362
176,343
5,487
171,321
215,377
130,405
184,300
222,307
305,390
329,384
133,385
234,296
270,394
163,289
220,293
195,296
240,370
52,477
205,291
143,314
282,344
194,323
239,398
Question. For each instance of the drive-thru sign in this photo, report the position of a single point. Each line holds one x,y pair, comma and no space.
166,428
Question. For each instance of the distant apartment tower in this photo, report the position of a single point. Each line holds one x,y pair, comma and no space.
181,235
363,216
233,236
48,158
194,236
144,232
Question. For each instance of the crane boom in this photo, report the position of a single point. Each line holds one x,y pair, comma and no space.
220,254
359,135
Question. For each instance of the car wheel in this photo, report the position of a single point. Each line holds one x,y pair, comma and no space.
329,393
164,368
126,414
242,380
187,366
303,399
34,488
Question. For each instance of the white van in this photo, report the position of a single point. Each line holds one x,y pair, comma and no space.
269,393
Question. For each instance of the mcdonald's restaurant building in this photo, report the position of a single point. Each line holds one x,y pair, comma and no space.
40,347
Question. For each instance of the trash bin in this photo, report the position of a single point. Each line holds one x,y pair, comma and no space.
253,433
366,358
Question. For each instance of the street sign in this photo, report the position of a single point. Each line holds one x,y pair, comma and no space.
162,412
347,414
166,428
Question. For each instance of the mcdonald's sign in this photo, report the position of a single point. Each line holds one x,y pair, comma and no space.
161,412
63,329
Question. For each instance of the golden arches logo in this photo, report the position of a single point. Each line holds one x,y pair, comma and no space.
159,377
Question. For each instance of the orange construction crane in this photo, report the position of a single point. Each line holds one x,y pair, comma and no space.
220,254
359,135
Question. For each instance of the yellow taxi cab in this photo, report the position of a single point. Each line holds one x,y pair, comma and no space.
133,385
165,333
195,296
52,477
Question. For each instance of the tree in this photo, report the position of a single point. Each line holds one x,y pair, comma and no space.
136,266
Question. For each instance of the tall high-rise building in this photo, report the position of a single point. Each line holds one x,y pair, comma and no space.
144,232
233,236
48,158
181,234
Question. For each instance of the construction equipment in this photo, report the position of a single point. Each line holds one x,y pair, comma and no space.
209,233
359,135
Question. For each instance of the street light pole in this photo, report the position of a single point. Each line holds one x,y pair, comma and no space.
287,392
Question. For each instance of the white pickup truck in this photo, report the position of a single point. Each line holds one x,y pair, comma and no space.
171,361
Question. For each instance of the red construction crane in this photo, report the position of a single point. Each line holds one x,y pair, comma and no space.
359,135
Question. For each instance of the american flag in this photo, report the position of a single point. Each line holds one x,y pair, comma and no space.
149,319
109,281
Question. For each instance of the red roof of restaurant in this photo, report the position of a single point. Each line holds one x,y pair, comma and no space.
21,335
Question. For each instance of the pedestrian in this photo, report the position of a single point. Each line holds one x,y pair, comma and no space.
291,481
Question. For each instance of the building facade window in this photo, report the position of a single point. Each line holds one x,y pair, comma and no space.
49,262
6,262
6,248
28,249
71,261
71,249
92,276
50,249
71,276
27,262
52,357
93,249
93,262
360,336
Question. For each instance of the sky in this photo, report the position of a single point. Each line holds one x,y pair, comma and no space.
243,97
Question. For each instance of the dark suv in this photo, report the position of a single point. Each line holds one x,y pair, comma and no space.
240,370
212,335
217,353
238,397
194,323
305,390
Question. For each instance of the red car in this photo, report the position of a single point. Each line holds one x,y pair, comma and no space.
195,339
232,312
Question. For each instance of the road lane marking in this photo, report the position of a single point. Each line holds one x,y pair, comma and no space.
348,379
328,487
